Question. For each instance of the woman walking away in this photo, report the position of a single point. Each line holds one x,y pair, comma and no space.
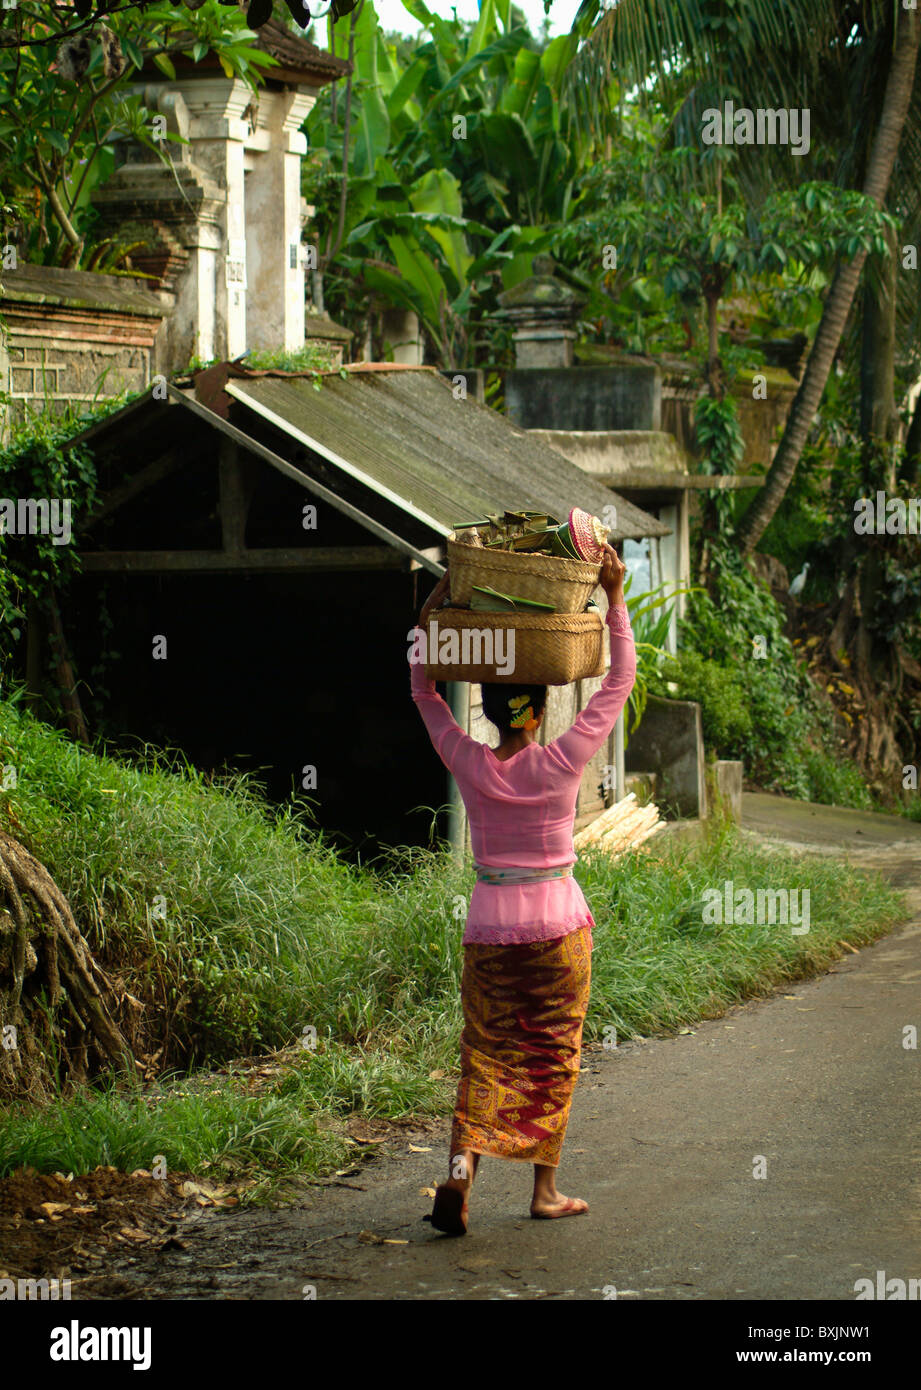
528,939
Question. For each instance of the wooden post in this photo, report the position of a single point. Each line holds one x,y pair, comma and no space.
459,702
235,492
33,653
64,672
683,550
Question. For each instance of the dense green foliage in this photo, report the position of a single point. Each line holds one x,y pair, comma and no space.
757,702
438,174
719,691
59,128
39,461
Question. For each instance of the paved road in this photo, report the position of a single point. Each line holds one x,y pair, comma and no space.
662,1142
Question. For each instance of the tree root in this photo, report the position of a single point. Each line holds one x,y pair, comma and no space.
882,740
56,1003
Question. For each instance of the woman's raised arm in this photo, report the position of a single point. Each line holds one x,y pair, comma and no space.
582,740
446,734
588,732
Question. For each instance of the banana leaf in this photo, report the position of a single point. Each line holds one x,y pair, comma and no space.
523,82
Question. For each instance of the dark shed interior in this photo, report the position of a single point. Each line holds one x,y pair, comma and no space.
297,675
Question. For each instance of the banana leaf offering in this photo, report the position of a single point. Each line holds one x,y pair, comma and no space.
488,600
582,537
525,531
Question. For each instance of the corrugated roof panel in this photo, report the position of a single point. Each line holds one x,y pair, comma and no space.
443,460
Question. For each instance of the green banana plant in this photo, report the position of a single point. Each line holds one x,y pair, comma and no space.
460,165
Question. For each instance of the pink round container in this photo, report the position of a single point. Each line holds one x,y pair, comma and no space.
588,535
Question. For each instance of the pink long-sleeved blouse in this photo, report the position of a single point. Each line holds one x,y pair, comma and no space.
521,811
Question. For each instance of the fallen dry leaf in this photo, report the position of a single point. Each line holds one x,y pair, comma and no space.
172,1243
52,1208
211,1192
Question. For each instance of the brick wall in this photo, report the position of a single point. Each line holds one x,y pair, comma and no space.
73,336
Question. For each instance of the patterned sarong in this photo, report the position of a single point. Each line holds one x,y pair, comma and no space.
524,1007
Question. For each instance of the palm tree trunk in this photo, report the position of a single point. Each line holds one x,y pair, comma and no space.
912,469
714,368
841,294
879,421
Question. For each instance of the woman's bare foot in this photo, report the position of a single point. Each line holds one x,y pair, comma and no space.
449,1213
463,1171
551,1205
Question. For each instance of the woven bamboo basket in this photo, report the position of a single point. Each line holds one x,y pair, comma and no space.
566,584
540,649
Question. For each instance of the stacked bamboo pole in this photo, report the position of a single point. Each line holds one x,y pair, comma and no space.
621,827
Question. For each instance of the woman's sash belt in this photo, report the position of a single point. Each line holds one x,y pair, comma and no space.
492,875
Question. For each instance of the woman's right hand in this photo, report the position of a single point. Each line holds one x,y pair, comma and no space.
613,572
440,591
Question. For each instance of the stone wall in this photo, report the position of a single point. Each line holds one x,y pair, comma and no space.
669,742
617,451
761,421
72,336
623,397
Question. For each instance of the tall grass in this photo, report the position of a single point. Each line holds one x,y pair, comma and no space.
240,928
234,920
658,964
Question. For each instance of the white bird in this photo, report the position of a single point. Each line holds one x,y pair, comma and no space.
799,583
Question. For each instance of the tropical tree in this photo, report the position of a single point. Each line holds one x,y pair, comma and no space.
76,17
852,66
773,54
59,120
840,297
680,217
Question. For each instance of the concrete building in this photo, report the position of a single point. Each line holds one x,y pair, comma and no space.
225,222
222,223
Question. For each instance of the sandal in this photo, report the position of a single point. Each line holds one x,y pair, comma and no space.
566,1210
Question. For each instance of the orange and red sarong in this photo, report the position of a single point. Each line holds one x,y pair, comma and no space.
524,1008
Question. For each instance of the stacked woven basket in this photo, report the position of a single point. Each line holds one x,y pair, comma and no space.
552,645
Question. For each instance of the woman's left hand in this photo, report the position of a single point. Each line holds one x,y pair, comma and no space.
613,571
439,592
